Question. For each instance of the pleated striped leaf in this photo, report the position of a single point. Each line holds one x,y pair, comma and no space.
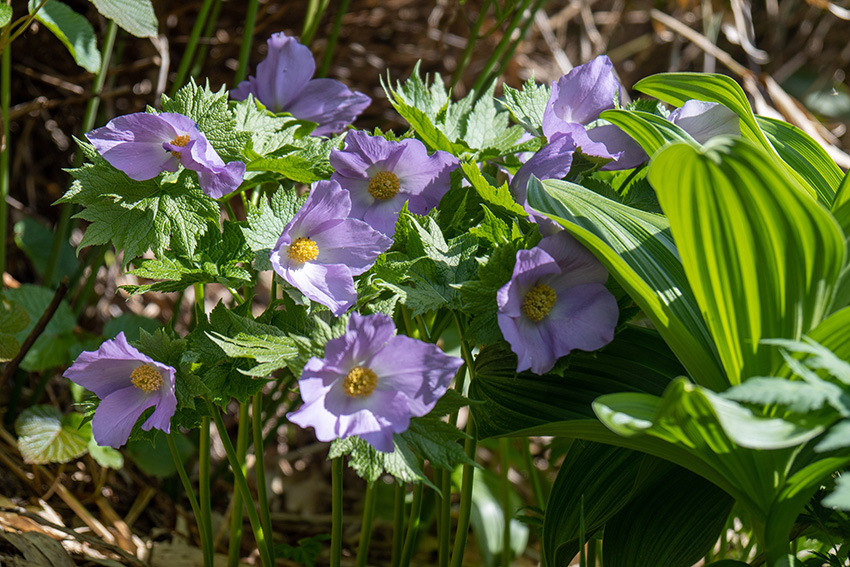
649,130
762,259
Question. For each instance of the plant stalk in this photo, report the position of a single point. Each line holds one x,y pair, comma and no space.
234,547
336,511
260,472
366,527
247,41
206,547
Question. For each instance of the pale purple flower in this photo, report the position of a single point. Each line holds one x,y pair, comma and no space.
577,99
381,175
322,249
556,301
127,383
284,83
705,120
144,145
371,383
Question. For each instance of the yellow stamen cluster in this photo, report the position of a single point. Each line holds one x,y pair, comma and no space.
146,378
360,382
384,185
303,250
539,301
181,141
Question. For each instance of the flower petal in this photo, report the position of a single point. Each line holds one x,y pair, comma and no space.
133,144
108,369
584,317
329,103
284,73
552,161
117,413
352,243
626,152
582,94
331,285
705,120
578,265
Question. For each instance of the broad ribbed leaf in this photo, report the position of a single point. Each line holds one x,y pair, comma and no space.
672,523
639,252
135,16
761,257
637,361
605,478
699,422
72,29
649,130
45,437
677,88
804,155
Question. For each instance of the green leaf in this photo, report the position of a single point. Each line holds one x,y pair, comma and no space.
638,250
213,116
488,518
168,212
648,130
674,522
370,464
36,241
677,88
153,456
637,360
498,199
131,325
134,16
72,29
840,497
730,209
272,351
435,440
5,14
306,552
527,105
837,437
106,457
45,437
804,155
52,348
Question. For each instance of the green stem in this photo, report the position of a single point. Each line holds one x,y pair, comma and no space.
398,524
506,502
536,489
22,24
366,527
465,512
201,53
484,78
315,10
332,39
63,229
466,56
189,53
247,40
413,524
336,511
234,548
260,471
190,493
204,483
5,94
445,532
242,485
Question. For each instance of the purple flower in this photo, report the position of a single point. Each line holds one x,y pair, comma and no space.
371,383
576,101
381,175
555,302
283,83
127,383
144,145
705,120
321,249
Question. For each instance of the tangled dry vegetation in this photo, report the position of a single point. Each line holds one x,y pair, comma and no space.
791,57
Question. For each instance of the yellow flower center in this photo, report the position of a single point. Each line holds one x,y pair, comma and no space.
303,250
146,378
181,141
539,301
384,185
360,382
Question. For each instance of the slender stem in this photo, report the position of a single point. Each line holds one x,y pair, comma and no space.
591,552
190,493
332,39
314,14
247,41
234,548
189,53
230,213
260,471
204,482
203,48
242,485
22,25
413,524
508,55
336,511
445,524
366,527
63,229
536,489
466,56
506,502
5,93
465,512
484,78
398,524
